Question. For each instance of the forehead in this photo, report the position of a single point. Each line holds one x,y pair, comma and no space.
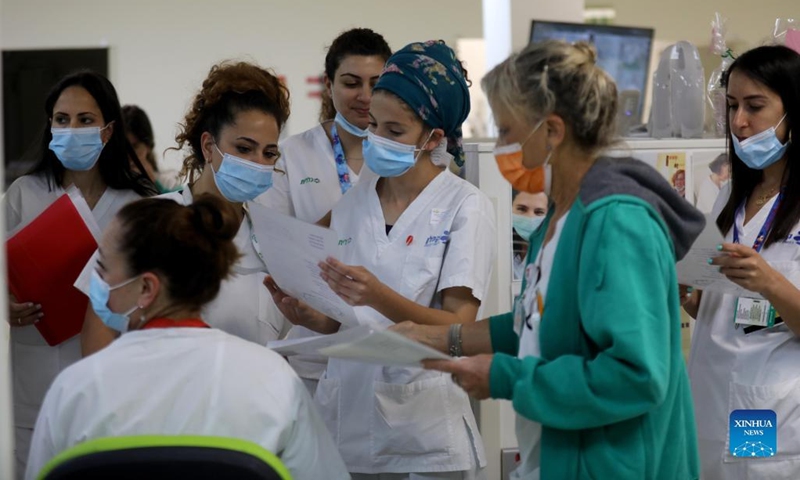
254,124
76,99
361,65
742,85
387,107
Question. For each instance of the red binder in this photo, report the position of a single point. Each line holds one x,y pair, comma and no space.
44,259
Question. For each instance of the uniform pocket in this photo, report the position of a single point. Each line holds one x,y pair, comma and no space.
412,419
784,399
421,275
327,399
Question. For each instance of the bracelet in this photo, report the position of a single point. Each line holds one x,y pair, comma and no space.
454,340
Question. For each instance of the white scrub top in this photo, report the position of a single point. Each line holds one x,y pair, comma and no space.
398,419
34,363
244,306
309,190
186,381
529,433
731,370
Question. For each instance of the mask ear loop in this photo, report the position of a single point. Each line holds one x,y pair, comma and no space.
416,157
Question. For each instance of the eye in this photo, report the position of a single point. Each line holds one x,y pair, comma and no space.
272,155
60,120
243,149
351,84
395,133
539,212
87,121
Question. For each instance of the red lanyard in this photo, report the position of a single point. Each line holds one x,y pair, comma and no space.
170,323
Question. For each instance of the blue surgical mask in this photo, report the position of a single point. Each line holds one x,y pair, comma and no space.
349,127
77,148
99,291
240,180
525,226
762,150
388,158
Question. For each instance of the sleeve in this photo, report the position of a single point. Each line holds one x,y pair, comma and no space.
43,447
310,451
471,249
625,289
501,331
11,202
278,197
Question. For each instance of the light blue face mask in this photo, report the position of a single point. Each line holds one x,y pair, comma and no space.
99,291
349,127
77,148
762,150
525,226
388,158
240,180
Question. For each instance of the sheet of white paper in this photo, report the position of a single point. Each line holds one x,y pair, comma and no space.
694,269
292,250
384,348
312,345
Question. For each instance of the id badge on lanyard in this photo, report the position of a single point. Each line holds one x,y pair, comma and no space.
756,313
530,301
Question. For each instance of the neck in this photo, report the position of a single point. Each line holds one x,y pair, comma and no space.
168,313
90,183
568,169
772,176
406,187
206,185
351,145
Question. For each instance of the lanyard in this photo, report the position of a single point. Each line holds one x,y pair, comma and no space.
762,235
169,323
341,163
253,238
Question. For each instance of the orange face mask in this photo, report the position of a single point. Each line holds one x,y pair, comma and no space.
509,161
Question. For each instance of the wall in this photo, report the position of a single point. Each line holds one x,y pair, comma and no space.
160,51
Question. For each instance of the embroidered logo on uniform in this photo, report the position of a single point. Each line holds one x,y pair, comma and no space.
309,180
345,241
753,433
434,240
794,238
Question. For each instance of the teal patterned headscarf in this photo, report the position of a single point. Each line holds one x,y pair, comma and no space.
429,78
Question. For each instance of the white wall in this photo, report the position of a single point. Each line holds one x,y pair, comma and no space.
160,50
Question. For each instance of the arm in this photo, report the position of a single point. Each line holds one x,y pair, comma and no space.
626,290
690,300
299,313
746,268
95,336
475,336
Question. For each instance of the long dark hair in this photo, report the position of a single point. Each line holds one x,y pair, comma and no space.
777,68
115,159
138,125
356,41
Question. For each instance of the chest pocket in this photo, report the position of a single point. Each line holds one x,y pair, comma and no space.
421,270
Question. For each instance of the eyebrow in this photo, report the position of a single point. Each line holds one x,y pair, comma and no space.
254,143
80,113
749,97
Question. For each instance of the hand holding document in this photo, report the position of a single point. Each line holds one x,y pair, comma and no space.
695,271
44,259
293,250
363,344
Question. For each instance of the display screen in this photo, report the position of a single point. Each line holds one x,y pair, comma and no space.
623,52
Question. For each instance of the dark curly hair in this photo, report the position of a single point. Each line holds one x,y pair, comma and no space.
229,89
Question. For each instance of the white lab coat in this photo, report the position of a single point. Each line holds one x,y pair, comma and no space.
397,419
308,190
186,381
244,306
34,363
730,370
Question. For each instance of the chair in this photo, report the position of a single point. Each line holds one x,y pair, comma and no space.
155,457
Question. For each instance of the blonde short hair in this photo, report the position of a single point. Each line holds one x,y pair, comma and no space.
561,78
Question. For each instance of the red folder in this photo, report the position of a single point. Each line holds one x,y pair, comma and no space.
44,259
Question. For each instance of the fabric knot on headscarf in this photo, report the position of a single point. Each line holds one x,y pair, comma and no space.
430,79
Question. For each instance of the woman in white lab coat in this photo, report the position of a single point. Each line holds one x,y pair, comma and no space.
83,144
738,362
171,374
232,132
417,243
322,163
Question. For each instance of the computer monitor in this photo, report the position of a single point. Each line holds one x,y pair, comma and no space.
623,52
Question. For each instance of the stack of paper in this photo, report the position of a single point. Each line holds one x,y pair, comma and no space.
363,344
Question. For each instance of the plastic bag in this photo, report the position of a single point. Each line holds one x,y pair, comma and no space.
787,32
715,90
